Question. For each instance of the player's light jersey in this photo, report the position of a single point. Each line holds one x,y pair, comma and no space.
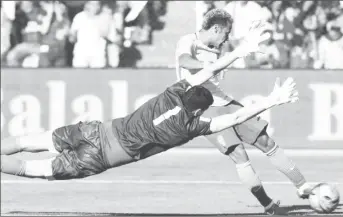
188,44
159,124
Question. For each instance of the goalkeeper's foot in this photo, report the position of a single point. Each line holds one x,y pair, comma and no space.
274,209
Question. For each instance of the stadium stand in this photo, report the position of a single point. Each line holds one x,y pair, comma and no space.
144,33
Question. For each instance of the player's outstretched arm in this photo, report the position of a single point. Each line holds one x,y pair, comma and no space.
280,95
211,70
184,54
249,45
188,62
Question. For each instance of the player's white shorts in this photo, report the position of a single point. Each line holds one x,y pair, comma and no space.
247,132
219,96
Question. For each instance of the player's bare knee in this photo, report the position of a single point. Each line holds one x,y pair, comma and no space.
238,154
264,143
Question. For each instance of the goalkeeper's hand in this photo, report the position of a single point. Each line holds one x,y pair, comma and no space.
285,93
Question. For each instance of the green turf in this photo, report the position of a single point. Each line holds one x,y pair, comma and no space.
171,183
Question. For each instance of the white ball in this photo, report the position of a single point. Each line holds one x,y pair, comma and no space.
325,198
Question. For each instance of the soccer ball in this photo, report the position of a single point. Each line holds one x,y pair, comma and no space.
325,198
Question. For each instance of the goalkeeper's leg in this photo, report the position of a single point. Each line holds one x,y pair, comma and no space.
30,143
27,168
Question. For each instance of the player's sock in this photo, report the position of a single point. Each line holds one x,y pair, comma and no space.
286,166
39,168
31,168
12,165
10,146
249,177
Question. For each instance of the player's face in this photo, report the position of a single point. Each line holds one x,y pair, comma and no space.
221,35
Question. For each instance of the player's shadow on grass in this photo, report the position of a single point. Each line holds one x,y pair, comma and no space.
304,210
307,210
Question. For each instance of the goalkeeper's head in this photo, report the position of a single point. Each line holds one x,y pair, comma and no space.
197,100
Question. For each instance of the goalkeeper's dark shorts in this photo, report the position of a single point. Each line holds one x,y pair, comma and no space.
81,153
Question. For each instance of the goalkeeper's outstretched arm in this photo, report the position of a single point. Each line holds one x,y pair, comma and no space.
280,95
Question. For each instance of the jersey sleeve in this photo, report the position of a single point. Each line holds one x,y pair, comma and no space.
200,127
184,46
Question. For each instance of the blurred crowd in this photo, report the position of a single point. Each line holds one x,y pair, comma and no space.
87,34
304,34
97,34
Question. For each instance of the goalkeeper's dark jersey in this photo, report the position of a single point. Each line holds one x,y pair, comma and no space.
159,124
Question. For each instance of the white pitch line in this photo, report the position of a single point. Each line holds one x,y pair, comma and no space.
149,182
290,152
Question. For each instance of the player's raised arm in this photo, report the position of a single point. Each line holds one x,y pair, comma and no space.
184,54
280,95
184,57
250,45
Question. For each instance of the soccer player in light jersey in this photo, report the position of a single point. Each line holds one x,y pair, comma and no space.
195,52
169,120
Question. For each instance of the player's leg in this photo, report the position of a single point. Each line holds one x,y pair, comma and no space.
245,170
229,144
247,174
227,139
283,163
29,143
254,132
249,177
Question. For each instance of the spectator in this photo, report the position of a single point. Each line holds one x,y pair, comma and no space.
157,9
313,24
276,9
89,32
7,17
56,38
339,19
331,47
107,34
287,27
243,13
137,22
38,24
116,28
299,57
130,56
274,55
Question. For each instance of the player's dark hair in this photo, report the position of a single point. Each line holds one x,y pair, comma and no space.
217,16
197,97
